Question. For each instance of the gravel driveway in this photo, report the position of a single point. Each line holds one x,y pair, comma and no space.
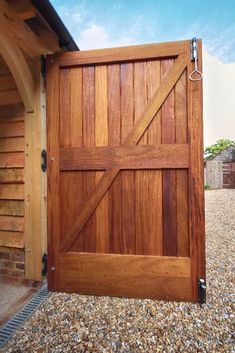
78,323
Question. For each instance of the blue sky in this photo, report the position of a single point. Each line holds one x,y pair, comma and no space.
102,23
146,21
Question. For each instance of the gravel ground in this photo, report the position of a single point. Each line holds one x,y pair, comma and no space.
78,323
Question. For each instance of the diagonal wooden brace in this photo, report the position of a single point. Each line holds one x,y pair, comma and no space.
132,139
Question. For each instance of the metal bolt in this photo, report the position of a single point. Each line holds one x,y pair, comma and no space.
52,159
53,269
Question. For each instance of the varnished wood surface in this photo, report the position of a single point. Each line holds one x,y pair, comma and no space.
119,190
123,157
126,275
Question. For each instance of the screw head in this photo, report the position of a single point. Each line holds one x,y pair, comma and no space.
53,269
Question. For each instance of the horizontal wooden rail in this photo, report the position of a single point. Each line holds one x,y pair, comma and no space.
114,274
123,54
125,157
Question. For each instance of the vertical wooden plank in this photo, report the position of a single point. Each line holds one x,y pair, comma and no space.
114,139
72,182
88,233
141,176
66,208
128,182
196,178
101,139
181,122
53,144
169,176
155,238
65,94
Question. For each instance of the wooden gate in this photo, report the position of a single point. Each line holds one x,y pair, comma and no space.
125,174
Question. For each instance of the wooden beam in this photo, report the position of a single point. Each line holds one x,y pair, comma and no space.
19,69
125,157
19,32
35,197
23,8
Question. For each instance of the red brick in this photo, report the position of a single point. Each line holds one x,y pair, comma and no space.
18,257
9,264
20,265
16,273
4,255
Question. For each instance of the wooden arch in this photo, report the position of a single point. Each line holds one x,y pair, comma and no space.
19,68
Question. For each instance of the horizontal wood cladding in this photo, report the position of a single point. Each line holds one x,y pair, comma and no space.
125,157
15,176
12,223
12,239
11,171
10,97
11,208
126,275
12,160
12,129
7,83
12,191
12,144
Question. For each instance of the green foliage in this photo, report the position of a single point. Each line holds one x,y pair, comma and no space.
207,187
217,147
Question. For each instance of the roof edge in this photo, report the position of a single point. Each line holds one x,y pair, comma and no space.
51,16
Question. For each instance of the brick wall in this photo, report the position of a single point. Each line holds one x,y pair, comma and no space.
12,267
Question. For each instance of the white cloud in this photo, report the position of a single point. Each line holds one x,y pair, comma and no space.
95,36
219,102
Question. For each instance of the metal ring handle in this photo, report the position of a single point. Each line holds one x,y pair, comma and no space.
196,78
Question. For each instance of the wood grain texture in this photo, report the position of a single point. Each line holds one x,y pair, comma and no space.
133,137
12,160
141,176
181,124
53,185
169,176
196,180
89,178
12,239
122,275
72,183
12,144
114,139
11,208
12,129
12,223
118,225
101,139
155,238
122,54
12,192
11,176
125,157
128,177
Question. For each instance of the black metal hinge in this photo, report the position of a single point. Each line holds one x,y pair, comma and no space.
44,160
44,261
43,66
201,291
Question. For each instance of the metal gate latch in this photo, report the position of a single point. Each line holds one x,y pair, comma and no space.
201,291
44,160
196,75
